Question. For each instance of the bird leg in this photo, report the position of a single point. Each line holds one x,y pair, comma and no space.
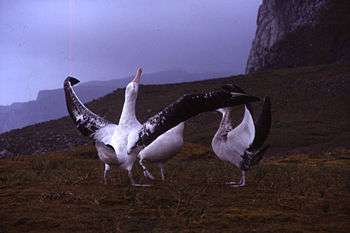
241,182
161,166
133,183
146,173
106,173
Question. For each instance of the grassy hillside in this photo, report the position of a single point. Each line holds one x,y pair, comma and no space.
63,192
310,109
301,189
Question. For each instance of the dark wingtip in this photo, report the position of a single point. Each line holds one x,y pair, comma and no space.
233,88
71,80
254,98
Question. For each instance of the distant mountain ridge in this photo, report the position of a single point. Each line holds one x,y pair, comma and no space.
50,104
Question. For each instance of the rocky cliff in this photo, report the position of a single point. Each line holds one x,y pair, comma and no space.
293,33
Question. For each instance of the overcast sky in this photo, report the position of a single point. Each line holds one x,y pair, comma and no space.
43,41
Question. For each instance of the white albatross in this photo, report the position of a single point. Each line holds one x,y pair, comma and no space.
242,146
120,144
110,155
162,149
127,121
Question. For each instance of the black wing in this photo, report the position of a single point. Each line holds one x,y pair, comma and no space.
262,126
234,88
184,108
86,121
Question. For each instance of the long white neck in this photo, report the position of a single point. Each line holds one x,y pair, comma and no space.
128,113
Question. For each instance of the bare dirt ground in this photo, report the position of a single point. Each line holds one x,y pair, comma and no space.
64,192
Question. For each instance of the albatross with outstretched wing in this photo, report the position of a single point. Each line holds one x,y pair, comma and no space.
242,145
120,144
110,146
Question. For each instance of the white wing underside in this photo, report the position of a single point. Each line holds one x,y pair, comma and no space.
243,135
105,134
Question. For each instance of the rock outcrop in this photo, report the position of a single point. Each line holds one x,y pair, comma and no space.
293,33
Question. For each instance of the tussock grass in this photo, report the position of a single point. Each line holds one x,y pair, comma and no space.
64,192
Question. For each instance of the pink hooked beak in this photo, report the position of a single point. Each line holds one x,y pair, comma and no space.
137,76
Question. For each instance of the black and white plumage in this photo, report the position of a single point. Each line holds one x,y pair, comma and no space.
120,144
86,121
181,110
243,145
110,139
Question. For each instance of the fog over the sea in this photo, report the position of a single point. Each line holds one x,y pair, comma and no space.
41,42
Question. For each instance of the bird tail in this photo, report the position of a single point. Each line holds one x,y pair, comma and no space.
252,158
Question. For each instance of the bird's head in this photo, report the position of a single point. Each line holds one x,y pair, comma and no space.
132,88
